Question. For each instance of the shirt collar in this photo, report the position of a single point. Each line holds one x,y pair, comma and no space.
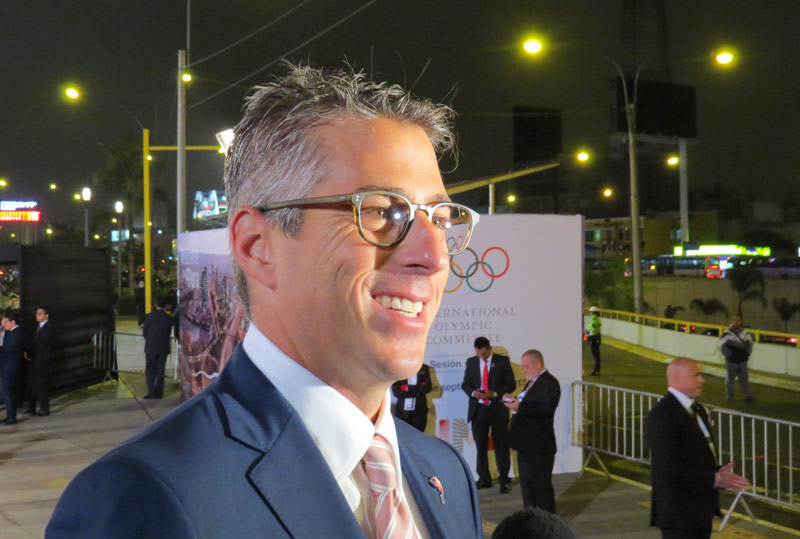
325,412
685,400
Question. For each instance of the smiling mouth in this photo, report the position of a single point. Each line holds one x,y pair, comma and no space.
404,306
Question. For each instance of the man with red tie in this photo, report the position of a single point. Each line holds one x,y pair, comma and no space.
487,378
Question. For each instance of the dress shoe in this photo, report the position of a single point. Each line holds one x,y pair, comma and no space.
483,484
148,397
505,489
594,373
42,414
8,421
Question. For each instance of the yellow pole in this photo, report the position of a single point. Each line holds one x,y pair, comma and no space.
148,290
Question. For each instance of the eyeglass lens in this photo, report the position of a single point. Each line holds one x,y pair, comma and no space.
384,219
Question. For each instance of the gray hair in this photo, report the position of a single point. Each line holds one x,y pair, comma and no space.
274,155
535,355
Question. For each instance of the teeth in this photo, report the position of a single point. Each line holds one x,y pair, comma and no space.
402,305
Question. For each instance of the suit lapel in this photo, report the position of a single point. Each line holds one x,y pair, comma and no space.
417,472
257,416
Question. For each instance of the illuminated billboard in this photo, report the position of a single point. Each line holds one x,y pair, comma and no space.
209,203
21,211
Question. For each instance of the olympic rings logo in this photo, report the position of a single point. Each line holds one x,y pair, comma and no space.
472,269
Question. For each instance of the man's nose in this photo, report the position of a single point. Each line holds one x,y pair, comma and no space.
423,245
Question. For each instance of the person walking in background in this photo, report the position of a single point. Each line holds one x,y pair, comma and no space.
532,434
157,330
593,334
736,344
487,377
11,362
412,403
685,476
38,355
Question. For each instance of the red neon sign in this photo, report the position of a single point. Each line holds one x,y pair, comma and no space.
27,216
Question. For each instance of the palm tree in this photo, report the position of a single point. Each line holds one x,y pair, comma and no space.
748,283
708,307
785,310
671,310
122,177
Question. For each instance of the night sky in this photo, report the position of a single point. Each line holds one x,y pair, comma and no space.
123,55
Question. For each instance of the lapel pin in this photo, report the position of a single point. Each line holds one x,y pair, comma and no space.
435,483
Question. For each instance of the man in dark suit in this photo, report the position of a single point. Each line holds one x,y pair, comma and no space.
11,361
487,377
340,287
684,470
532,434
157,330
412,403
38,355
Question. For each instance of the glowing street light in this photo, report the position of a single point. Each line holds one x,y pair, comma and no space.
186,77
3,182
119,207
53,187
724,58
608,192
532,46
672,160
511,198
582,157
72,92
86,196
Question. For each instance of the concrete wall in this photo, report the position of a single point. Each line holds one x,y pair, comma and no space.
773,358
662,291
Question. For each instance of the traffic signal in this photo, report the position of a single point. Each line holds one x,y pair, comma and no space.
141,269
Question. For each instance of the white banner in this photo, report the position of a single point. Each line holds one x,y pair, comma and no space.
519,284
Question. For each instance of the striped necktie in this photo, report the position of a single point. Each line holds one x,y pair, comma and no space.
699,414
392,515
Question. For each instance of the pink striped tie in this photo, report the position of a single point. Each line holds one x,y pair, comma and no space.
392,515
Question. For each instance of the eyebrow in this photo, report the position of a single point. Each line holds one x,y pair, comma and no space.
435,199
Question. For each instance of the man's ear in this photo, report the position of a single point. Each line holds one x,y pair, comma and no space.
251,244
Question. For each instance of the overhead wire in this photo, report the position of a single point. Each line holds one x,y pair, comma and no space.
273,62
250,35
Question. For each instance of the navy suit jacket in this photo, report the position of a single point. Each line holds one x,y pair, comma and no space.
531,428
40,345
157,330
11,352
236,461
682,468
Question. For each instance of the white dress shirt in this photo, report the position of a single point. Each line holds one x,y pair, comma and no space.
687,403
341,431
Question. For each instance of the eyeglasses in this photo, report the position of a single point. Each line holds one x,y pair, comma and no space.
384,218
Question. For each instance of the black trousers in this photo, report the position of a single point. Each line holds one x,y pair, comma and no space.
594,341
37,392
418,421
10,386
536,480
154,373
494,417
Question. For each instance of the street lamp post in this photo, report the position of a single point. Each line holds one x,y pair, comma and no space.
636,243
86,196
119,207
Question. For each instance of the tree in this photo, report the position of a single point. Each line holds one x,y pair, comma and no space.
708,307
122,177
748,283
785,310
671,310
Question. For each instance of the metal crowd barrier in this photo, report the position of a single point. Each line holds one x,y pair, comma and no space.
124,352
611,420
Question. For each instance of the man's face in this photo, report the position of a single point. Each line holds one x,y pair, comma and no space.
5,323
530,367
484,353
331,283
41,315
689,380
14,303
736,321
